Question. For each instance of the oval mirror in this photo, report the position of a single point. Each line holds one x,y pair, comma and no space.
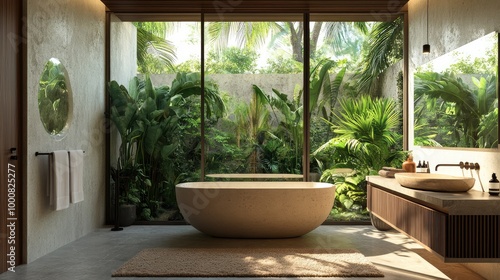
54,99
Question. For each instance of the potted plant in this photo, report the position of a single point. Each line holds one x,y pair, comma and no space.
128,193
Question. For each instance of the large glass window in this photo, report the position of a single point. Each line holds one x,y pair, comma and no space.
258,72
356,106
181,114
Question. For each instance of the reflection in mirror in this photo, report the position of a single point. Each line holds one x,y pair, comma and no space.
456,100
54,99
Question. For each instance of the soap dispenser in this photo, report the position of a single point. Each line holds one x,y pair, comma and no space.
494,188
409,165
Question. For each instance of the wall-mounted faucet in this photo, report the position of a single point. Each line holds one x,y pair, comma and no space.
462,165
465,165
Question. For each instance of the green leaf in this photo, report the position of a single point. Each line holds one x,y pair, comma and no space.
166,151
151,138
148,107
347,203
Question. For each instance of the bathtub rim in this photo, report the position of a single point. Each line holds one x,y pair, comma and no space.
255,185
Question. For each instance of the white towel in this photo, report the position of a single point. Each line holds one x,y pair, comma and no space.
59,189
76,175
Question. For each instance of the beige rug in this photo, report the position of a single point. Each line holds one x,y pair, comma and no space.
248,262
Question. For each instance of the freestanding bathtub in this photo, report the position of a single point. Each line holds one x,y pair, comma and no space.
255,209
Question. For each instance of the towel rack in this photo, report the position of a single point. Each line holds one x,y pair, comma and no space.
44,154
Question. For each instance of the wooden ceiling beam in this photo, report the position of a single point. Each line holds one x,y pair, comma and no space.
255,6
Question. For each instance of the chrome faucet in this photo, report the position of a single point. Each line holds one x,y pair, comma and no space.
462,165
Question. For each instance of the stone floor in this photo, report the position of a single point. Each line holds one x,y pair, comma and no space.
98,254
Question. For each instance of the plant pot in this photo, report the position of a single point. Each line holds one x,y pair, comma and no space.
127,215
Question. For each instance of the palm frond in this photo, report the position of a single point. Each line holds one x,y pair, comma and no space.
246,34
150,44
384,47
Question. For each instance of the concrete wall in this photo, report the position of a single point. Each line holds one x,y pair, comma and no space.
123,67
452,24
123,51
72,31
240,85
388,81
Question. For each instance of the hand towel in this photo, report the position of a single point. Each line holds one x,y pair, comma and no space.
389,172
76,175
59,189
386,173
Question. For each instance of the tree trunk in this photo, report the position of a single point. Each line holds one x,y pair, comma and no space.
315,37
296,41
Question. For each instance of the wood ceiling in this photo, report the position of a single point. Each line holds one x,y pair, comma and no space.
144,7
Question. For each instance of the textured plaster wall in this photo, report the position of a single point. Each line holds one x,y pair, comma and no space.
123,66
453,23
72,31
123,38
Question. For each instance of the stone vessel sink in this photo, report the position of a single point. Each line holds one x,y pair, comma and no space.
435,182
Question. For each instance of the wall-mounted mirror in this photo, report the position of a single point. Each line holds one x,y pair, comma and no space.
55,99
456,97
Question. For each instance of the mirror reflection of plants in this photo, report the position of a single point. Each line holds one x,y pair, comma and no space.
456,97
53,97
464,112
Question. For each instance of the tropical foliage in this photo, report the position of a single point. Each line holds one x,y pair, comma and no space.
463,114
366,140
154,53
456,97
151,122
231,60
384,48
269,129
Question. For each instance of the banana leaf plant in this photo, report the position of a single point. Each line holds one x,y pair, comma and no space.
289,112
148,120
324,92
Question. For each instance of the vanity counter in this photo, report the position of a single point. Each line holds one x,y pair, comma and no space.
472,202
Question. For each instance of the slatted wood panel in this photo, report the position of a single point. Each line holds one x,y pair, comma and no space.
473,237
426,225
252,6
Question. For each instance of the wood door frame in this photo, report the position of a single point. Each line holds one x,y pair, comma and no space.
12,172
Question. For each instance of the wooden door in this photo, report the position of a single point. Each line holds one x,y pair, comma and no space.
11,129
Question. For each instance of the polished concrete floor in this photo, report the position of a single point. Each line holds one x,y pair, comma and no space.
98,254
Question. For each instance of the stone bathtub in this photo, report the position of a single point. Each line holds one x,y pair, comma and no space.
255,209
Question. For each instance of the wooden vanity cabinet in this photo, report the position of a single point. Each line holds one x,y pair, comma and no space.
455,238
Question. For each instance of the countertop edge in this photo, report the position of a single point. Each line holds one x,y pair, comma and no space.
472,202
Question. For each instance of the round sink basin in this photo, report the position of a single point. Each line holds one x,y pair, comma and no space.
435,182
